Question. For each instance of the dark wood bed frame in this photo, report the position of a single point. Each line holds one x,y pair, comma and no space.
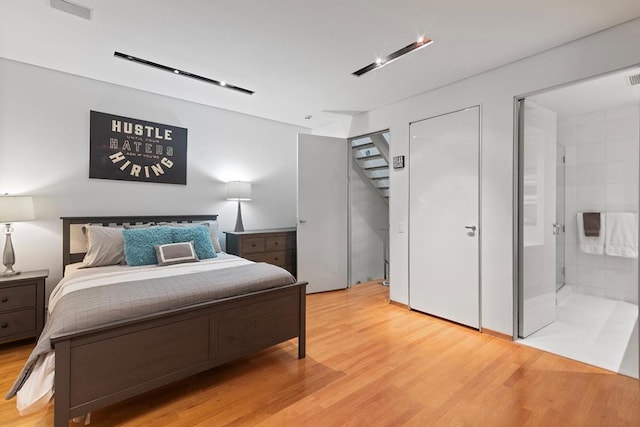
100,366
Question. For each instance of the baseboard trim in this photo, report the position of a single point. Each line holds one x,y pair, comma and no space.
398,304
497,334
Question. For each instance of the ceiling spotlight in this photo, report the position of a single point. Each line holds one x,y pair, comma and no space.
381,62
181,72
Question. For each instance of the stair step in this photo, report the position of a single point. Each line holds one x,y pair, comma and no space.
363,146
383,188
376,168
377,178
370,157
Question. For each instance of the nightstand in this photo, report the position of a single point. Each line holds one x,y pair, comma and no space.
22,305
277,246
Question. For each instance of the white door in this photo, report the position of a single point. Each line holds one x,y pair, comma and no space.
323,197
443,216
538,194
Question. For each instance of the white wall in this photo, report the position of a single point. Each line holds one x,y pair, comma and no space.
601,175
494,90
44,152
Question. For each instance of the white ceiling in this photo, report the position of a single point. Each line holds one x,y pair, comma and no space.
601,93
297,56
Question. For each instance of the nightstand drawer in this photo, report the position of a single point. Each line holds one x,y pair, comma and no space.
275,246
277,243
17,297
17,322
253,245
277,258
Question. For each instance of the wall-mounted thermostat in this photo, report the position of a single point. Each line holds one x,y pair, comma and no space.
398,162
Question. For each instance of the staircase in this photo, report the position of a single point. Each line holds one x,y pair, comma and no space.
370,157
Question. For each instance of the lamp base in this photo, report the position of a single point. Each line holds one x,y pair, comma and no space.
8,256
239,225
9,273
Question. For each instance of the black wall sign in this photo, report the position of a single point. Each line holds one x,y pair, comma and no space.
398,162
136,150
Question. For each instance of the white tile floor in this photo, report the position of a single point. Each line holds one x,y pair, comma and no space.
593,330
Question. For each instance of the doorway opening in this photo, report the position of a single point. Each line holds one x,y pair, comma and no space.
369,190
577,228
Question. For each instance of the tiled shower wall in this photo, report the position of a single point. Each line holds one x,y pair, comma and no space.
601,175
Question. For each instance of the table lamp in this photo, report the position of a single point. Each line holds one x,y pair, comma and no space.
239,190
13,209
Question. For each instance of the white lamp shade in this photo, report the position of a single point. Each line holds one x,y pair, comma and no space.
238,190
16,208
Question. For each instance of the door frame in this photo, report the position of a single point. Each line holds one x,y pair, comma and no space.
479,212
351,172
517,192
518,201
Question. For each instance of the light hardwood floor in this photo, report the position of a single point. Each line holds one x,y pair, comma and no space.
371,363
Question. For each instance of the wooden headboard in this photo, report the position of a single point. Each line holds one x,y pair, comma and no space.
68,221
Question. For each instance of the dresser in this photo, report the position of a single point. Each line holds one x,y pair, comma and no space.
22,305
276,246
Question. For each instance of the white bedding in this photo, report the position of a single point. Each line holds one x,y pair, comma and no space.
37,391
83,278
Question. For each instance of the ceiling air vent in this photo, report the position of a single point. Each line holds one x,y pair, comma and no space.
634,80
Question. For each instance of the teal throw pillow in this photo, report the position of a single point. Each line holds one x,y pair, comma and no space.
200,236
139,244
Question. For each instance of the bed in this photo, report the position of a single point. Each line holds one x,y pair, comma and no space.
100,365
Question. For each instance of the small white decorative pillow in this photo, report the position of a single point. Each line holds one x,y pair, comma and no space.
176,253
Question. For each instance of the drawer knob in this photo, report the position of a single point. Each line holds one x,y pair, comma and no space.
276,243
253,245
276,258
5,299
4,325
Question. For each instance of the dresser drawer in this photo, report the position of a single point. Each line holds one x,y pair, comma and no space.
275,246
280,258
17,322
253,245
17,297
277,243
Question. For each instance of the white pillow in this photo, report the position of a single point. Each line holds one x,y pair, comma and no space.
213,230
105,246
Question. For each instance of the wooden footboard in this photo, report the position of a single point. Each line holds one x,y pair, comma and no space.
99,367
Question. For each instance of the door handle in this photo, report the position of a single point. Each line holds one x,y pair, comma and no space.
471,227
302,221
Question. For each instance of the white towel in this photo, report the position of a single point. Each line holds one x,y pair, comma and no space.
591,244
622,234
